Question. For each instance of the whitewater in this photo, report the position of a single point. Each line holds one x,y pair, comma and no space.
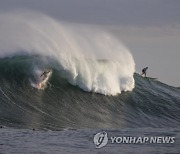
89,57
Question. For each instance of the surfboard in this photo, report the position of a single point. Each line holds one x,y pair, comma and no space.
151,78
147,77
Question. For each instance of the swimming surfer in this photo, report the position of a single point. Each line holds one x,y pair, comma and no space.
44,74
144,71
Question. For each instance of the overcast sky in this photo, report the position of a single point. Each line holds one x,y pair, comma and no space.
149,28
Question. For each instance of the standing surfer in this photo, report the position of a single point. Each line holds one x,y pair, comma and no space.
144,71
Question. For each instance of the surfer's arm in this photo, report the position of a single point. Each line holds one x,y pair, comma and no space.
42,74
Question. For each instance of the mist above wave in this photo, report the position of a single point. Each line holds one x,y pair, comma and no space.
78,48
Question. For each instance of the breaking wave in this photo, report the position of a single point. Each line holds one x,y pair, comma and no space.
63,105
88,57
84,61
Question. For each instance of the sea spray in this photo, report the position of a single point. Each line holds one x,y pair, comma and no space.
89,58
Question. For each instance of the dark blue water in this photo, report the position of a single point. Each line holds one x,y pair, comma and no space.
81,141
65,118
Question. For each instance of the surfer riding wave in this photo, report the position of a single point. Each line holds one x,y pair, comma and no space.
42,80
45,74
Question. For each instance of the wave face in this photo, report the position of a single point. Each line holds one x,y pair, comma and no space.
75,47
89,68
62,105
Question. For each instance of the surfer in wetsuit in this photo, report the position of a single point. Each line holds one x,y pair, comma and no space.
44,74
144,71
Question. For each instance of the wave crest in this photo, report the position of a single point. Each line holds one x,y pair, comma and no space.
89,58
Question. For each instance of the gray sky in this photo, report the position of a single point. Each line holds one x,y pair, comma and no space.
149,28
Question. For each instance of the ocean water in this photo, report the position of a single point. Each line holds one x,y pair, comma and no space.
81,141
62,118
92,100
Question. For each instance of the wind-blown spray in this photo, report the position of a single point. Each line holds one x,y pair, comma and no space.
89,58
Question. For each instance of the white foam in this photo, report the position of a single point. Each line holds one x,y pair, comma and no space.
77,47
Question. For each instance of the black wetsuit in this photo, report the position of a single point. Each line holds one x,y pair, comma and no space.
144,71
45,74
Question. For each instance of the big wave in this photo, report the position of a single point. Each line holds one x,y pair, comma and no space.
62,105
89,58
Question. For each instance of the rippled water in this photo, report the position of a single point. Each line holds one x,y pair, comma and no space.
81,141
